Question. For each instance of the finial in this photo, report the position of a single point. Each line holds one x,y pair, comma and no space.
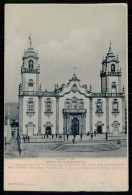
30,41
8,110
110,46
90,88
123,89
74,69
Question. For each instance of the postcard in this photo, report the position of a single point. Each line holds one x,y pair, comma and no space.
66,97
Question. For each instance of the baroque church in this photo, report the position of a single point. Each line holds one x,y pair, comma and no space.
72,108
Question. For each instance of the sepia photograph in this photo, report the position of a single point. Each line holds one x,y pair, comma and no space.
66,87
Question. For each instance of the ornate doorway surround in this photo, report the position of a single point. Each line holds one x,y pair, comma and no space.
74,117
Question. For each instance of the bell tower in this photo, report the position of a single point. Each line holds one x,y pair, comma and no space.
110,73
30,69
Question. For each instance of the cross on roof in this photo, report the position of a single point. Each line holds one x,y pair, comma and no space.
74,69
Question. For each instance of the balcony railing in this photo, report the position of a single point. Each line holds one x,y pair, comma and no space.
74,110
27,70
110,73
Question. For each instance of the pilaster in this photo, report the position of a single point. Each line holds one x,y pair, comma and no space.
57,115
20,114
91,113
107,114
123,114
39,113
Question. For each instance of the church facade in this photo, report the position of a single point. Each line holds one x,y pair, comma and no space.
72,108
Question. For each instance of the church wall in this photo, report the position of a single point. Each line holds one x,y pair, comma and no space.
113,117
62,106
48,118
102,117
27,118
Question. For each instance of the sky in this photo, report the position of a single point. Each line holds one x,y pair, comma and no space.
65,36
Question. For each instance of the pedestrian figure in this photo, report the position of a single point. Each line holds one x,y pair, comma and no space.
67,136
28,139
106,136
19,151
95,133
74,136
88,133
24,139
81,136
44,136
64,137
56,135
91,136
52,136
73,141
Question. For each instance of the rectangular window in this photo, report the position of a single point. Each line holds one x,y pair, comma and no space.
30,106
48,105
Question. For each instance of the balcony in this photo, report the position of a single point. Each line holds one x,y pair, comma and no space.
74,111
102,74
27,70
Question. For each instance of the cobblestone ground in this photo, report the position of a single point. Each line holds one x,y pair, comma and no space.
43,148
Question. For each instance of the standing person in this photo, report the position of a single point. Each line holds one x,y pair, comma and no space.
95,133
88,133
106,136
64,137
91,135
81,136
44,135
67,136
52,136
56,135
28,139
24,139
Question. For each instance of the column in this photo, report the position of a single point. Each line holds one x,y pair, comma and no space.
39,114
21,115
107,114
123,114
91,113
57,115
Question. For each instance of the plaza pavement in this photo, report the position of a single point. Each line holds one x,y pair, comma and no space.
46,147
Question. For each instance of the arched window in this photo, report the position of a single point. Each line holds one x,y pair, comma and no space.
81,106
99,106
67,105
74,105
114,90
30,64
113,68
115,106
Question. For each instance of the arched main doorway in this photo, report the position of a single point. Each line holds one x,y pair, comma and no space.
75,126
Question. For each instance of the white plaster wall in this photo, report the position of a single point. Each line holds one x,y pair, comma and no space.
51,118
62,105
101,118
26,118
113,118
